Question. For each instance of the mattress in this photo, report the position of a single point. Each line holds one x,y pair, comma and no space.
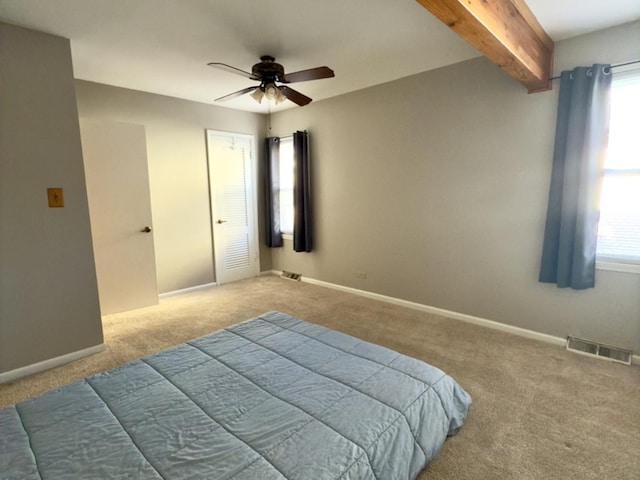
273,397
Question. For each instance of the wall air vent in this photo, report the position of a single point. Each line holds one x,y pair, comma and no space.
291,275
586,347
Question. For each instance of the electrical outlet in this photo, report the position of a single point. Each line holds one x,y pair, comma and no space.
361,274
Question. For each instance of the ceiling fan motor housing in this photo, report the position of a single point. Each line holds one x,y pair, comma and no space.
268,71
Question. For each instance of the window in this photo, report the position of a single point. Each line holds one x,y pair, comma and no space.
286,185
619,227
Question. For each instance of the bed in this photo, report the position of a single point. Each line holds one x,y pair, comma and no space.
273,397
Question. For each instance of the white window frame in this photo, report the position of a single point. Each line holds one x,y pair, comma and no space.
614,263
287,178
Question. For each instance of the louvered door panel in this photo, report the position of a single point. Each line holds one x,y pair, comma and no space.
232,206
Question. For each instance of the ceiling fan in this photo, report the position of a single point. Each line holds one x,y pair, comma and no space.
268,72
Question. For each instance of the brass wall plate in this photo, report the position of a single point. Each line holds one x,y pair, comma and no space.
56,198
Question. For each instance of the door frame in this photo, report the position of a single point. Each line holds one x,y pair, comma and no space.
253,218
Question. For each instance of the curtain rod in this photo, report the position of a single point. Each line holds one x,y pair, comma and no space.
291,136
624,64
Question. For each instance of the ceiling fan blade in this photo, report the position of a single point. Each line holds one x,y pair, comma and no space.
310,74
295,96
235,94
237,71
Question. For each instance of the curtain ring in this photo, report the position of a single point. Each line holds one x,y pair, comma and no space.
571,76
590,72
606,70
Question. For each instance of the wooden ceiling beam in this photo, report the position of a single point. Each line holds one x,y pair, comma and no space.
506,32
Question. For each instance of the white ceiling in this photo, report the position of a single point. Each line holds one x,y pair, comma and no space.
163,46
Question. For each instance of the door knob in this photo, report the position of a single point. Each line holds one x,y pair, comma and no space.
221,221
146,229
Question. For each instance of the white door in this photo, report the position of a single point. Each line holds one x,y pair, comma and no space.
233,205
117,177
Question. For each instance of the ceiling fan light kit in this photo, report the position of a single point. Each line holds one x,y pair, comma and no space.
268,72
272,92
257,95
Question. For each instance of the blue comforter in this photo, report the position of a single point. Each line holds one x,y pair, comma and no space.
270,398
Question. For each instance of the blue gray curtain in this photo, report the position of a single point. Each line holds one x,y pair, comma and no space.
582,130
272,191
302,222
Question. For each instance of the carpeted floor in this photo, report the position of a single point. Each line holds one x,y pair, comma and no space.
538,411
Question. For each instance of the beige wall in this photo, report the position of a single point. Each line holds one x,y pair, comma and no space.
48,292
436,186
176,148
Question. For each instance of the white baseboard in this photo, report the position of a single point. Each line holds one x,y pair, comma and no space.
51,363
187,290
522,332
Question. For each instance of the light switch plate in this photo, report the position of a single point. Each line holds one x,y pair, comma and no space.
56,199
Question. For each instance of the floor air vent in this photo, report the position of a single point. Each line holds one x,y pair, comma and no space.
291,275
586,347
